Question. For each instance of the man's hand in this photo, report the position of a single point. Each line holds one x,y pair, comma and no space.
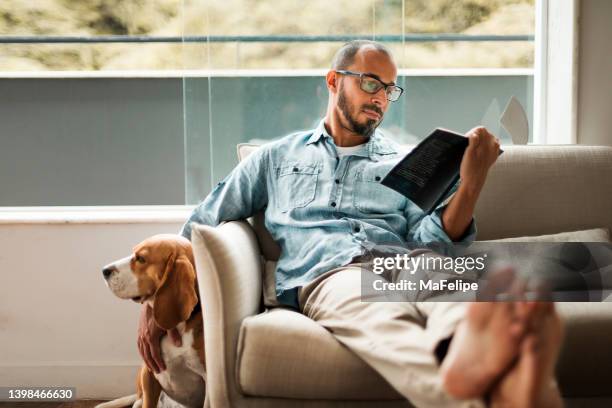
149,336
481,153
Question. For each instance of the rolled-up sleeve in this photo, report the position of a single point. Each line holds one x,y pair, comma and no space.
241,194
426,228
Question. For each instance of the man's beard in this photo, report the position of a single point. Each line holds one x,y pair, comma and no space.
363,129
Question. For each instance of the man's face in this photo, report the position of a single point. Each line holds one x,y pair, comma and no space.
361,112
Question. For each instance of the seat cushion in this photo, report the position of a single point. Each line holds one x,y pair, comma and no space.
282,353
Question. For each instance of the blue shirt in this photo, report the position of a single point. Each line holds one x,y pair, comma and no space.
322,210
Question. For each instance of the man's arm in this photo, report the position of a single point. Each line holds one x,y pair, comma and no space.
240,195
481,153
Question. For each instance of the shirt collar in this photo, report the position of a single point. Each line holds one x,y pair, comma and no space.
375,147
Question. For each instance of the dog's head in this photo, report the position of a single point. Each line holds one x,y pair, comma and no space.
160,270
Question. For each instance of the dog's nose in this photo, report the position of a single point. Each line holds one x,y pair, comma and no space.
107,272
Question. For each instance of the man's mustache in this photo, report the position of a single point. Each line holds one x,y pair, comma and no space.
374,108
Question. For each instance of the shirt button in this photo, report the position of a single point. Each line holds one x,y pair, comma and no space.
356,229
333,204
337,181
377,178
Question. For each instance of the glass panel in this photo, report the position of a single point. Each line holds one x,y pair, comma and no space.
260,75
57,35
90,139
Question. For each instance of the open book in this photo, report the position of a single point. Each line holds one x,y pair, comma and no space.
429,172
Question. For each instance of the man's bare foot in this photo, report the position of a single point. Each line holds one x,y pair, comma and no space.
530,383
487,341
484,345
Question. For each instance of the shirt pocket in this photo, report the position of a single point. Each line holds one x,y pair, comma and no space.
374,198
297,184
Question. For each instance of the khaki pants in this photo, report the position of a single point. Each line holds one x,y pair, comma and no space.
397,339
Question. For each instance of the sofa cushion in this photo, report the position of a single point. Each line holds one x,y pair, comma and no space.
590,235
267,245
534,190
282,353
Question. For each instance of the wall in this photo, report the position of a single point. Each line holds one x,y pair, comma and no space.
59,323
594,78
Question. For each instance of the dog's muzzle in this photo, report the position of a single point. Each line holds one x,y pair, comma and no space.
108,272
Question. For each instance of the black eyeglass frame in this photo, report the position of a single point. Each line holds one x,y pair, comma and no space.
385,86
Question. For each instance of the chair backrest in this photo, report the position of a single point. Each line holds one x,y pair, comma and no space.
530,190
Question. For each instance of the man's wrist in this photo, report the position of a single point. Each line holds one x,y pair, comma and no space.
470,189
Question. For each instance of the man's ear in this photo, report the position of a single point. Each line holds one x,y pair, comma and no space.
176,296
332,81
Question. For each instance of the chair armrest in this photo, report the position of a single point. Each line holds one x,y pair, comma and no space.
229,271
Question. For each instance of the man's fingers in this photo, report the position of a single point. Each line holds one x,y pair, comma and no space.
481,133
176,337
473,140
146,356
476,130
156,354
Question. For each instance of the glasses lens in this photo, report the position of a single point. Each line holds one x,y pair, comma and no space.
370,85
393,93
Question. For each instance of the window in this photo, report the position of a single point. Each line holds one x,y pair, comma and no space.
154,95
260,73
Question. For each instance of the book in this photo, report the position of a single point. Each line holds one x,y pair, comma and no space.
429,172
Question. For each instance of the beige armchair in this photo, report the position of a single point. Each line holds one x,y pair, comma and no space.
280,358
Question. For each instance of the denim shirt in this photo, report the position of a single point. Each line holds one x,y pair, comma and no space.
322,210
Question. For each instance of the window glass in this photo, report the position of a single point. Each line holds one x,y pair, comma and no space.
262,68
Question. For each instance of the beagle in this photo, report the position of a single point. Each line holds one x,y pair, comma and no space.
161,273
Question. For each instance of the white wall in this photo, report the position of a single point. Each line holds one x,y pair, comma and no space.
594,73
59,323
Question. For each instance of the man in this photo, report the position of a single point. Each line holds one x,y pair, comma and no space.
323,201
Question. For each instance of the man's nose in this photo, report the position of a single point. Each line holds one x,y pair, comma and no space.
380,99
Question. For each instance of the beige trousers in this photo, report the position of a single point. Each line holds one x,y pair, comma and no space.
397,339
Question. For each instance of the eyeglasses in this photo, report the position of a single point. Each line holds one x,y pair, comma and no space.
371,85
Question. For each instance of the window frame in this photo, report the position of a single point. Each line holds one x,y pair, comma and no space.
556,72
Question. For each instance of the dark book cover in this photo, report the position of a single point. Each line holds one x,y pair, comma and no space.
429,172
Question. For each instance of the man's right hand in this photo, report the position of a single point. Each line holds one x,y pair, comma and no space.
149,337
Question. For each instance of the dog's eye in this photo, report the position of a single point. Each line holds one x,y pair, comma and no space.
140,259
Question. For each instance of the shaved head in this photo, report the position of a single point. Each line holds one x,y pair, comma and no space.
345,56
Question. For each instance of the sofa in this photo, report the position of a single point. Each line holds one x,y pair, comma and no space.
280,358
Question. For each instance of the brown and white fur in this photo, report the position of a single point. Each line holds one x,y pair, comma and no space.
160,272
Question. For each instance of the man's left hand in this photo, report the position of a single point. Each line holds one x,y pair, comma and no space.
481,153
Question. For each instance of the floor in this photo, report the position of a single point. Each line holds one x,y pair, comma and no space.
73,404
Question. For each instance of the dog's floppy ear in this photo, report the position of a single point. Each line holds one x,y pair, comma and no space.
176,296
